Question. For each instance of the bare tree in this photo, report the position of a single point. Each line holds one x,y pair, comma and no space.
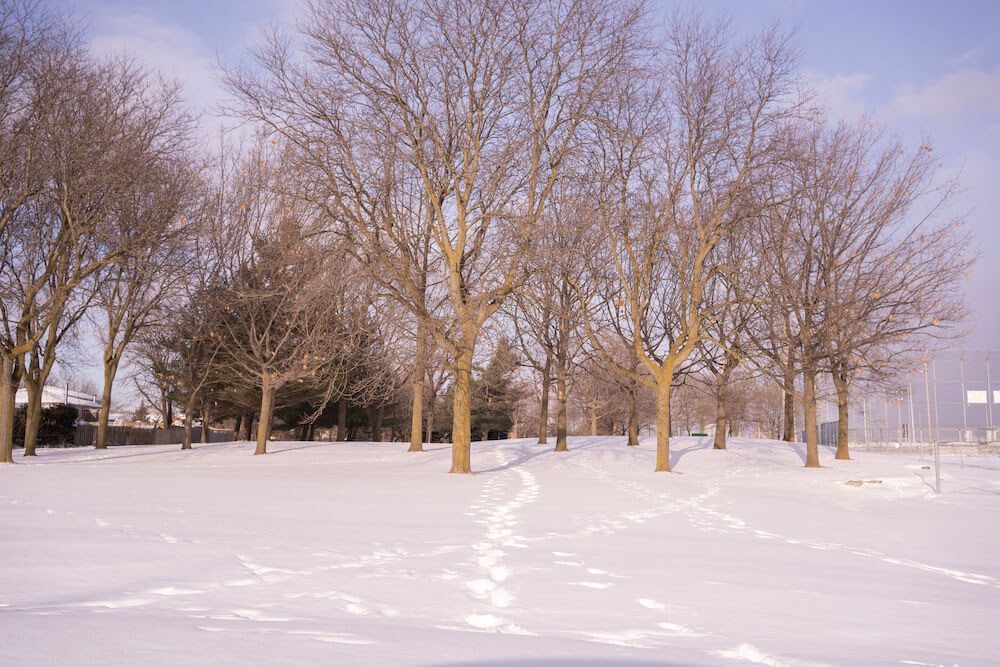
483,99
195,346
154,358
34,48
41,358
674,183
891,276
558,263
531,318
731,296
133,292
94,124
284,298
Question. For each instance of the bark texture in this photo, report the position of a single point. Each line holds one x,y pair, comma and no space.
809,406
562,396
264,423
721,417
663,424
788,426
543,403
461,431
32,418
7,391
419,375
843,451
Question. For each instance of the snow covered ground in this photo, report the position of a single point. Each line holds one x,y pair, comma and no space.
360,553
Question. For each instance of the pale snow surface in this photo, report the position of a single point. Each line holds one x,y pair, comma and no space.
363,554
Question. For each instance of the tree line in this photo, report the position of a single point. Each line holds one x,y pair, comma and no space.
611,204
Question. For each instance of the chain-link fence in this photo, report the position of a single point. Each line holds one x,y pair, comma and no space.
952,400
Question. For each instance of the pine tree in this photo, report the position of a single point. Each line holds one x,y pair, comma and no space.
494,394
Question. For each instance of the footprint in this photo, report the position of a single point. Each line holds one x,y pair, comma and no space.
174,590
481,587
257,615
679,630
483,621
501,597
629,638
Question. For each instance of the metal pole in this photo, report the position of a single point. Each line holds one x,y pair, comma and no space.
865,413
965,418
885,419
913,421
989,398
899,421
937,416
937,459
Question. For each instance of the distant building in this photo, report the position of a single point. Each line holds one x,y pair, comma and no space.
52,395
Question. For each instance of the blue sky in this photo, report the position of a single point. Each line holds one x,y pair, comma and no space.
919,67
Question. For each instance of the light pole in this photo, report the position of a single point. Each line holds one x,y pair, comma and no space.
937,458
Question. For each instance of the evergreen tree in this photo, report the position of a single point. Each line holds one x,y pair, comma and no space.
494,396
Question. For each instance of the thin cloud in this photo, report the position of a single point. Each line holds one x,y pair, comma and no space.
840,95
962,93
970,57
167,47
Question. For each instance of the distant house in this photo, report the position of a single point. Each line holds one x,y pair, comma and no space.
51,395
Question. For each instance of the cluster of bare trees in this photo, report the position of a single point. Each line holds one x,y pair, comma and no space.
202,271
660,207
93,162
636,209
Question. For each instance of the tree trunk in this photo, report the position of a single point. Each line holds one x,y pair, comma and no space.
8,389
461,428
264,423
721,418
663,423
342,420
840,382
809,406
110,370
430,424
543,403
204,424
788,428
237,425
188,418
170,414
32,416
561,398
377,425
419,377
310,431
248,425
633,419
593,416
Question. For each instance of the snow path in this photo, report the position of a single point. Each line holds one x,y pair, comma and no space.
356,553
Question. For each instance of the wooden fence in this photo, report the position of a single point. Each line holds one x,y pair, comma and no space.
86,435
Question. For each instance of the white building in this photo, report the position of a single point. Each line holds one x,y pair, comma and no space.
52,395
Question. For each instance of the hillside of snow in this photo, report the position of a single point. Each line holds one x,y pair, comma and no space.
363,554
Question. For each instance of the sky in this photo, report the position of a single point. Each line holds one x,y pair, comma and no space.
927,70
